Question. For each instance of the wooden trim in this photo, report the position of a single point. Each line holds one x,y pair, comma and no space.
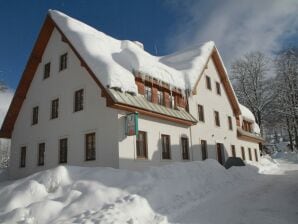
151,114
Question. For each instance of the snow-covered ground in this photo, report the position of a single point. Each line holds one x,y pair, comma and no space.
193,192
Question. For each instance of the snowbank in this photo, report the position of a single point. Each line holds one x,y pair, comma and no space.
266,165
113,61
105,195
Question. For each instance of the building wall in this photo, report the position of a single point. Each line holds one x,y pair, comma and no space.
207,130
95,117
154,128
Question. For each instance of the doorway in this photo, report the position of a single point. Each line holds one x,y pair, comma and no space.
220,153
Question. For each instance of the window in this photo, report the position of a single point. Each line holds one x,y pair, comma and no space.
35,115
23,156
47,70
63,62
41,152
90,146
63,150
233,151
256,155
208,82
78,100
148,93
142,145
185,149
216,117
201,113
218,90
160,97
230,122
165,141
172,101
54,108
243,153
204,149
249,154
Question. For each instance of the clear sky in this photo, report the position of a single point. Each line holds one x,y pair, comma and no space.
163,26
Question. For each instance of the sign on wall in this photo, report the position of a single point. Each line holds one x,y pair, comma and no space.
131,124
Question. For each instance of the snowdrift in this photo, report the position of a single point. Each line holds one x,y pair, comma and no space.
70,194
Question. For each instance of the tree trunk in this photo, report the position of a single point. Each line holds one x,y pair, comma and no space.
290,134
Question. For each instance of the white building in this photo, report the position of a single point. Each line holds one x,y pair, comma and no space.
79,85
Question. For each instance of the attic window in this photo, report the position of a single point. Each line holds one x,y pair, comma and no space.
63,62
160,97
218,90
208,82
148,93
47,70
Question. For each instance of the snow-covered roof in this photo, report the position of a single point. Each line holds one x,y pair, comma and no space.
246,113
113,61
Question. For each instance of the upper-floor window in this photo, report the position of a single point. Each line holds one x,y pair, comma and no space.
160,97
63,150
233,151
141,143
148,93
90,146
34,115
246,126
63,62
78,100
166,151
204,149
47,70
185,148
208,82
218,90
54,108
23,156
230,122
201,113
243,153
216,118
41,153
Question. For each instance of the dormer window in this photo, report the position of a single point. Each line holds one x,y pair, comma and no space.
148,93
160,97
172,101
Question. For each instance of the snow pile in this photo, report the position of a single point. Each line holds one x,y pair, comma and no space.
266,165
291,157
113,61
105,195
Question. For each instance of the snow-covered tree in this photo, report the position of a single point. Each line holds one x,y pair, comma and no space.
252,85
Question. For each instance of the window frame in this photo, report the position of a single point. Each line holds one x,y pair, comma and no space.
204,150
148,93
233,151
63,62
218,88
78,104
160,97
55,108
165,147
230,123
185,153
47,70
41,154
201,113
144,154
208,83
243,153
23,152
63,146
256,155
90,147
216,118
35,115
249,154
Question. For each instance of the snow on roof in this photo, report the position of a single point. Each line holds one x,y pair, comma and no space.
256,128
113,61
246,113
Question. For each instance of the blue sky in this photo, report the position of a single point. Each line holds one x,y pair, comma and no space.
237,27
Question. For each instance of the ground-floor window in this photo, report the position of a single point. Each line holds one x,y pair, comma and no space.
204,149
166,150
185,148
220,153
23,156
141,143
63,150
243,153
256,154
249,154
233,151
41,153
90,146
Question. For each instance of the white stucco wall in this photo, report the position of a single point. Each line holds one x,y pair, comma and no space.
95,117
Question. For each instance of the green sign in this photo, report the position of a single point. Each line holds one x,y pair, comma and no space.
131,124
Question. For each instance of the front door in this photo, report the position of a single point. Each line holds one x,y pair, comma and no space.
220,153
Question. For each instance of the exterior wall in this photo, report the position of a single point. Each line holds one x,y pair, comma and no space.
95,117
154,128
207,130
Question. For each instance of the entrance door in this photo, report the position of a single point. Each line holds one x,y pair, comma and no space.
220,153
